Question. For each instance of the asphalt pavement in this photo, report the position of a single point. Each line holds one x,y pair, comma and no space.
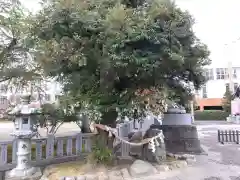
71,128
6,128
222,161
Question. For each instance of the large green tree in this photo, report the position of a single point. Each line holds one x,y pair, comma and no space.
17,66
108,52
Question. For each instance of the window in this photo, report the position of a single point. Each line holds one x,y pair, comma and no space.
222,73
25,120
3,100
209,74
204,91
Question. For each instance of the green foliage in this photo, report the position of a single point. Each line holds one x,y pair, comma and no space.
227,98
211,115
103,52
16,65
101,154
53,116
179,96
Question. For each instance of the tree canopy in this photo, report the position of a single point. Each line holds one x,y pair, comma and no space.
16,63
111,52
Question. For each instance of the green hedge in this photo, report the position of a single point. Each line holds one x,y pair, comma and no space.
211,115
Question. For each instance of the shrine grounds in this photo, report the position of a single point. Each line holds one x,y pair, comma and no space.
66,129
222,162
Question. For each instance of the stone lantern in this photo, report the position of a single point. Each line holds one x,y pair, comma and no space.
25,127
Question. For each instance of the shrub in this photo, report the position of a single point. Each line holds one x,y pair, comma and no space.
101,154
211,115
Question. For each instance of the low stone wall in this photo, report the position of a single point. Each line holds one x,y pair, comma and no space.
137,170
180,138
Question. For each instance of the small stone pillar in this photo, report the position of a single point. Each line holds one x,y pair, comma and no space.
25,121
159,153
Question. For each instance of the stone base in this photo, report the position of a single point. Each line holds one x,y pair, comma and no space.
184,146
33,173
181,139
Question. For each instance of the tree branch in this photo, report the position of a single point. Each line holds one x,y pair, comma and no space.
7,49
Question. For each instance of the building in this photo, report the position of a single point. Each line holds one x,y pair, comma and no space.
47,92
211,94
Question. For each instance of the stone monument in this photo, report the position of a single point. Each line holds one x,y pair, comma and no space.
180,135
155,150
25,127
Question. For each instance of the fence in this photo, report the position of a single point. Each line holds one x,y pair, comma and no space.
54,150
228,136
123,129
47,151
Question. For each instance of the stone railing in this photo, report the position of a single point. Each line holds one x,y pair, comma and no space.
45,151
123,129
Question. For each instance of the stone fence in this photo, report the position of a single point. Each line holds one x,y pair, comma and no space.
45,151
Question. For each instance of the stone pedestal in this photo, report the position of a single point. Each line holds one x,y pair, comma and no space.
23,170
177,119
181,139
35,172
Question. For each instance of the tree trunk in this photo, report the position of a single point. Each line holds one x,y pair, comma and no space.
85,124
102,138
109,118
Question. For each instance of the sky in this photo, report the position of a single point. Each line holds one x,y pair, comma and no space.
217,25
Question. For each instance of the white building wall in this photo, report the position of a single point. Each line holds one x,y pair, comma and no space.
217,87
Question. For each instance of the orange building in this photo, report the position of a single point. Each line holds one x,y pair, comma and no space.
209,103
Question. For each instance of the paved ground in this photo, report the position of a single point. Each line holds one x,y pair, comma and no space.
71,128
221,163
66,129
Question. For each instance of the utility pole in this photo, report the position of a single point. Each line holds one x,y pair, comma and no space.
230,69
192,110
230,76
192,100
